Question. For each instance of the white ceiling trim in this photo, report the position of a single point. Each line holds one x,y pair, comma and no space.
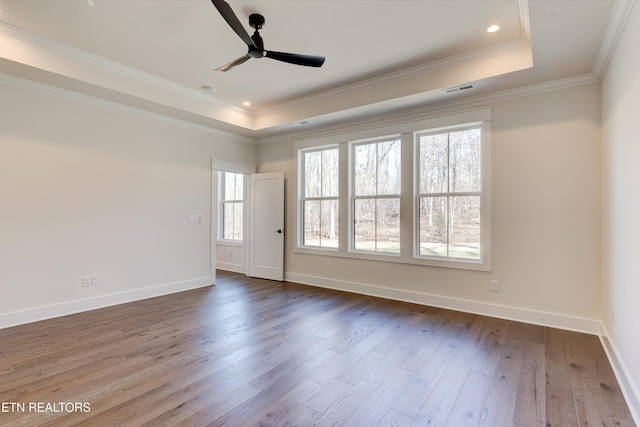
316,105
96,70
417,113
525,23
19,82
617,20
102,62
361,98
412,72
85,74
24,53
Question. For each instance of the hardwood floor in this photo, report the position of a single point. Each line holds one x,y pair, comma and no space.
251,352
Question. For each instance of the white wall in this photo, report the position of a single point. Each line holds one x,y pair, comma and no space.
546,221
231,256
621,170
88,188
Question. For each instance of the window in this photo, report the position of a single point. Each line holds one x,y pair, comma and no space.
376,196
449,193
232,206
420,195
319,201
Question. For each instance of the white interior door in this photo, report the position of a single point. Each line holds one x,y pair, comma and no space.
266,226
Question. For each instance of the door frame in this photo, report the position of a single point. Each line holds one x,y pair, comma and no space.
226,166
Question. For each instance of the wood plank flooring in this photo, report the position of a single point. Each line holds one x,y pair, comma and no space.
252,352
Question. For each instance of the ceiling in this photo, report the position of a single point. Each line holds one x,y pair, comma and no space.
382,56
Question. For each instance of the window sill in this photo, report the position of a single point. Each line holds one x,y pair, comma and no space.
234,243
457,264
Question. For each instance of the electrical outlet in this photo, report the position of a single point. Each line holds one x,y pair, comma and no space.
612,315
194,219
495,286
95,280
86,281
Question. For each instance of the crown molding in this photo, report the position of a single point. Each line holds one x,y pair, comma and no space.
154,81
420,112
618,18
536,88
422,69
19,82
55,46
617,21
370,122
525,23
411,72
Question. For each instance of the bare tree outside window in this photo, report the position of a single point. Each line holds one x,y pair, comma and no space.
320,198
449,193
232,205
376,202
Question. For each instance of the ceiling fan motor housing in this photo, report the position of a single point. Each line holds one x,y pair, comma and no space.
256,21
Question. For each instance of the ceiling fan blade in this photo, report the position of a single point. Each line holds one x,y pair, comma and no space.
233,63
231,18
294,58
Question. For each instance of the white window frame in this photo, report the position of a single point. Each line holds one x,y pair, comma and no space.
408,198
353,197
448,194
302,199
221,204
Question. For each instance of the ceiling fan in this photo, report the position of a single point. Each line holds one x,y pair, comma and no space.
255,43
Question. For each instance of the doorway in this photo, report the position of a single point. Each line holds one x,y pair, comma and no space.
247,221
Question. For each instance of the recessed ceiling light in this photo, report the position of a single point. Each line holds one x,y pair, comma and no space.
246,103
493,28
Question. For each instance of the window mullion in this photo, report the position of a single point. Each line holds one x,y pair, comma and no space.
375,200
406,196
320,192
384,196
448,224
234,235
448,192
461,194
344,209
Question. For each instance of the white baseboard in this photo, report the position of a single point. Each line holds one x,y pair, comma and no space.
554,320
227,266
48,312
630,390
